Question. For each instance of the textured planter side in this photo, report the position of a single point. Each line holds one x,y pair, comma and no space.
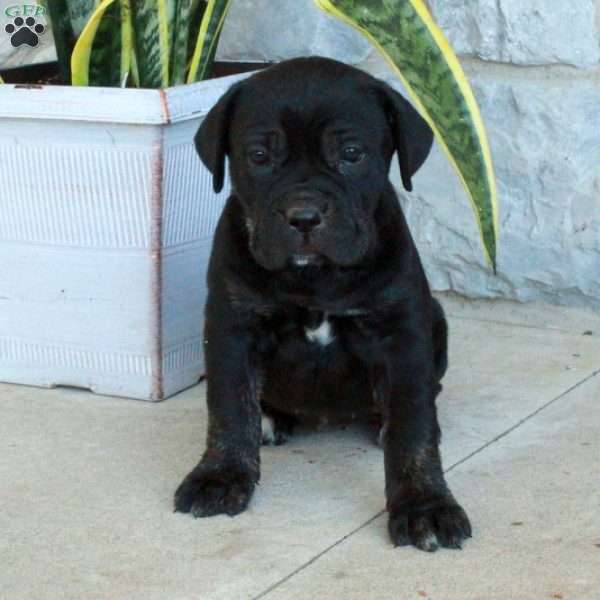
106,223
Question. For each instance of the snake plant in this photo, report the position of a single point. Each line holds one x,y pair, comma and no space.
68,20
145,43
156,43
407,36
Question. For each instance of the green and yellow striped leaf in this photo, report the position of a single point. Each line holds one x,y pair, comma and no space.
103,52
208,36
82,53
105,58
196,14
147,43
406,34
153,25
128,65
181,30
79,12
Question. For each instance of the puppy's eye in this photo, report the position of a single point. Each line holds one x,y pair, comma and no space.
352,154
258,156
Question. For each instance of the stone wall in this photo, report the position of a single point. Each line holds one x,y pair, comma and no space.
535,69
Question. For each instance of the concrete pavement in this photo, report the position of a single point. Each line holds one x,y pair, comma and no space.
86,486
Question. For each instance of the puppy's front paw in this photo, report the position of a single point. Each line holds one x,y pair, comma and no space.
211,490
429,525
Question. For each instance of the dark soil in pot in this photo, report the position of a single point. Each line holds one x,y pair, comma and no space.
48,73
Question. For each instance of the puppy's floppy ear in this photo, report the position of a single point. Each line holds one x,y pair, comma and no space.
412,135
211,139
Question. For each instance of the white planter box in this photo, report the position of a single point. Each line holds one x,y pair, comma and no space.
106,223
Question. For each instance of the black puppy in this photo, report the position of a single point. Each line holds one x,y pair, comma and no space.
318,304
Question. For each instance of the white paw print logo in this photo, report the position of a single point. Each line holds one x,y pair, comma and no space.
24,31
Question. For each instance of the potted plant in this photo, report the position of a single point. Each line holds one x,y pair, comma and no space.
106,214
103,237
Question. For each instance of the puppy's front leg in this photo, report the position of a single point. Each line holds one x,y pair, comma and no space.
422,510
224,479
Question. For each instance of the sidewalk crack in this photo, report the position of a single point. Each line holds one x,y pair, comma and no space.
508,431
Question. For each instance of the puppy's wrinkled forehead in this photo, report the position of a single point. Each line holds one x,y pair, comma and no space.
298,99
311,95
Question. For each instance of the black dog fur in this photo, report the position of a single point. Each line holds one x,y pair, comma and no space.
318,304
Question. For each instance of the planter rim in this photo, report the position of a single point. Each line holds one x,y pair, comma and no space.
113,105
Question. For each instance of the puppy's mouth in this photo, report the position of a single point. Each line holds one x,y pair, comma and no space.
306,259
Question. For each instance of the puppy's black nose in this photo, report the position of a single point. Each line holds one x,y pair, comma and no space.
304,219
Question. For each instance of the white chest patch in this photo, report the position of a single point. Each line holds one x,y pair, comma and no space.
322,335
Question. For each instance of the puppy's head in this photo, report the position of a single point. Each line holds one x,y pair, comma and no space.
310,142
